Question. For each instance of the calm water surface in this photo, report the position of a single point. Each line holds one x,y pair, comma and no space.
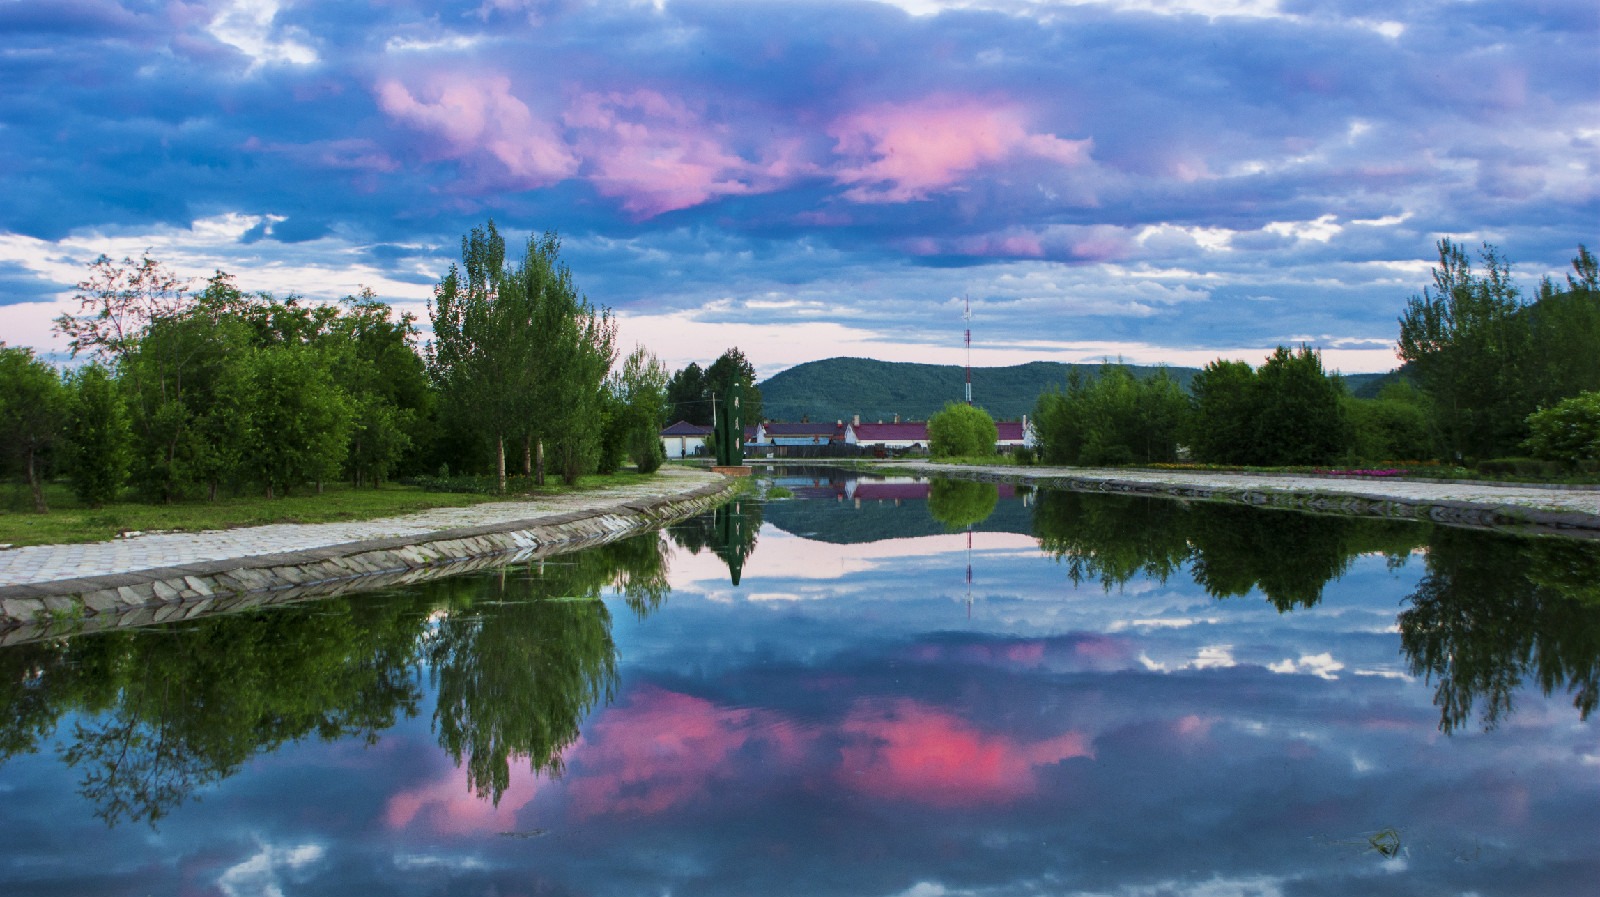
874,688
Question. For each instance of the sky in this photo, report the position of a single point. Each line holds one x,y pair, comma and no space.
1161,180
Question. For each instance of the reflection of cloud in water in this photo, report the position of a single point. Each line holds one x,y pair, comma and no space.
447,805
780,555
261,874
1322,665
904,750
662,749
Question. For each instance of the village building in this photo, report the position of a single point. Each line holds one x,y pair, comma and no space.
896,435
1013,434
801,433
685,440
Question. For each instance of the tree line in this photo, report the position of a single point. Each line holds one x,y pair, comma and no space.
692,391
1487,375
191,392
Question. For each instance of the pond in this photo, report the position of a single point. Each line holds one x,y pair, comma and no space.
876,687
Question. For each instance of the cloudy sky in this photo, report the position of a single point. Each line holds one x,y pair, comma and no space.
1169,180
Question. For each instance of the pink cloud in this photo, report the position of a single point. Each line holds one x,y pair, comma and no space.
480,115
663,748
904,750
905,152
658,155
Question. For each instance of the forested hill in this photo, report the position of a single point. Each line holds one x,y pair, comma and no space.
836,388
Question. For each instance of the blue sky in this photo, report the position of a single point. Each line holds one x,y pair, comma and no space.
1169,181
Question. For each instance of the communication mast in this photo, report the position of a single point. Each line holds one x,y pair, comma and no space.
967,316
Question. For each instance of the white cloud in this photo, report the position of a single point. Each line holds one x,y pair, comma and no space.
248,25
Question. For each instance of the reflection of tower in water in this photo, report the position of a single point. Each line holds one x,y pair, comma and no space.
969,571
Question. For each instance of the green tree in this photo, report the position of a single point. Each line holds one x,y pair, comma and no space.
299,419
639,391
1395,426
32,402
1465,341
377,365
1116,418
97,436
479,356
565,349
687,398
731,365
1564,325
962,431
1221,430
1297,415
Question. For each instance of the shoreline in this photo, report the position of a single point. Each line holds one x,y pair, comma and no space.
306,561
1571,512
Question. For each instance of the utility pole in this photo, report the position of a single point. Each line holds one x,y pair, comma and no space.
967,316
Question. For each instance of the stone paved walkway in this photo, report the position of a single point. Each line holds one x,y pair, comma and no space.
47,563
1581,501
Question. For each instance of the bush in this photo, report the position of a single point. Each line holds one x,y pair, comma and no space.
1023,455
1567,431
962,431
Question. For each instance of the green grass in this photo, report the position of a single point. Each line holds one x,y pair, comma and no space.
68,521
986,460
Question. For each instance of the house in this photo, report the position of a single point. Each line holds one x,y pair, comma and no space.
802,433
896,435
1014,434
684,440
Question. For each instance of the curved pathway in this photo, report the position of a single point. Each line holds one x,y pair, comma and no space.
1556,508
35,564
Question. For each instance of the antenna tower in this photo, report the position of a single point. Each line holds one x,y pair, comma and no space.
967,316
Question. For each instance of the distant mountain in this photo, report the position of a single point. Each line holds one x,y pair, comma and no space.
837,388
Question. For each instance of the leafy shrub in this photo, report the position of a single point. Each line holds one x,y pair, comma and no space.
1567,431
962,431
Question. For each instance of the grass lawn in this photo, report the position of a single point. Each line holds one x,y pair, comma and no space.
68,521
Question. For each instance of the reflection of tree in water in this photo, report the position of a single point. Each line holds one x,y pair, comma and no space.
168,710
1111,538
1493,613
959,504
1230,550
521,661
1287,555
176,708
729,531
1496,611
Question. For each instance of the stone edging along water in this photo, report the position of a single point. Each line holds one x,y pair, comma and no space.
1480,515
45,610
